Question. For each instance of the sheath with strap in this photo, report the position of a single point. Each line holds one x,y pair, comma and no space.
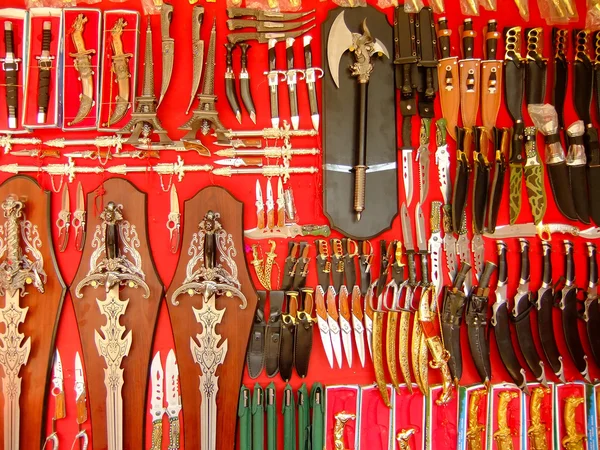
582,101
451,318
491,79
514,78
521,316
501,144
255,357
500,322
258,418
591,313
406,74
476,318
271,409
317,426
545,306
427,83
570,314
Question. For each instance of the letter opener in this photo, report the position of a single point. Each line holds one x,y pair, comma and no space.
59,400
156,403
168,49
173,220
80,402
10,66
83,65
45,66
64,220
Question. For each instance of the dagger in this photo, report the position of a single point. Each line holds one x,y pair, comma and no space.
469,77
265,26
45,66
245,82
230,91
292,82
82,63
197,52
423,158
442,160
514,77
500,322
491,79
120,68
261,15
534,176
591,314
520,312
501,143
311,74
10,66
481,176
168,49
570,314
461,180
545,305
273,77
448,78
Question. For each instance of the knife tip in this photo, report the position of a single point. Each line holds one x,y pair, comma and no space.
253,117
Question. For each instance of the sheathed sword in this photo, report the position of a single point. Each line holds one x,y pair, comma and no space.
521,316
501,144
168,49
273,78
23,265
448,78
10,66
120,69
570,315
500,322
230,90
514,77
83,65
545,306
491,79
311,75
245,90
197,53
481,178
45,66
591,314
291,77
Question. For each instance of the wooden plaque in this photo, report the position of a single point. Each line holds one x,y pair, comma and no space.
139,320
42,317
235,325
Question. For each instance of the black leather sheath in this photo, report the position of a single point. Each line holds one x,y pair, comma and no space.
304,341
461,181
497,187
570,316
593,175
481,177
476,319
273,333
255,357
286,349
562,195
245,91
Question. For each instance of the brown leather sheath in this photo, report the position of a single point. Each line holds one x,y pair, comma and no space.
491,93
469,91
449,90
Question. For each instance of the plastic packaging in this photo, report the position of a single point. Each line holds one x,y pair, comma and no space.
592,17
523,7
556,12
469,7
413,6
545,119
576,153
151,7
350,3
489,5
34,4
383,4
437,6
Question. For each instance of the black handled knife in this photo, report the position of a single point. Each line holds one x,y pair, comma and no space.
592,309
10,66
45,66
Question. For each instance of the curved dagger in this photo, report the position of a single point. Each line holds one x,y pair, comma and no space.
245,91
522,320
545,304
197,53
83,66
568,306
120,67
168,49
592,308
230,91
501,326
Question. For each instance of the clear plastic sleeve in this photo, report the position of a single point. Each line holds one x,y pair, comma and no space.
350,3
556,12
437,6
234,3
545,119
151,7
34,4
576,153
89,2
489,5
592,17
523,7
382,4
413,6
469,7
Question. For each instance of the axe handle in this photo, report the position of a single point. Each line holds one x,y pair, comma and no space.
360,168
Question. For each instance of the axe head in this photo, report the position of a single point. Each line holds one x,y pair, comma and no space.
341,39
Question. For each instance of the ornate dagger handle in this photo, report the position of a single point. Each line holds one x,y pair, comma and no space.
174,433
593,265
547,263
569,264
525,268
502,266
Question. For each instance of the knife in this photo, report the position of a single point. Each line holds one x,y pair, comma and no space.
334,327
245,90
270,205
501,143
273,77
64,220
591,314
156,403
168,49
312,74
173,399
258,418
491,79
59,400
260,207
324,331
469,77
448,79
442,160
423,158
230,90
80,402
280,204
345,316
461,180
534,176
244,418
79,219
173,220
291,77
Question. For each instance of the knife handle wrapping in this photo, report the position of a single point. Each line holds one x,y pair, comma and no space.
502,266
156,443
8,37
412,269
424,268
547,264
593,264
174,433
46,36
444,38
491,40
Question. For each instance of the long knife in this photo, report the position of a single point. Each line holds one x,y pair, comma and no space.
514,77
397,284
545,306
10,66
291,77
491,79
500,322
263,38
591,314
245,90
481,177
501,143
469,77
45,66
273,77
264,26
197,52
230,90
168,49
448,78
423,158
311,75
521,316
83,65
570,314
378,314
534,176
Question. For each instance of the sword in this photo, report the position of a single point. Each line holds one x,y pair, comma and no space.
208,278
311,75
113,341
7,142
261,15
45,66
10,66
292,82
264,38
168,49
83,65
116,142
16,270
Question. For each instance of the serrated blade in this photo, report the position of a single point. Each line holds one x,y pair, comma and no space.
156,377
172,386
478,250
450,250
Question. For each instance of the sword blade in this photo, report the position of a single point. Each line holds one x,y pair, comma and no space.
407,174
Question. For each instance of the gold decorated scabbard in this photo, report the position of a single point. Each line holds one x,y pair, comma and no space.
475,429
416,340
573,440
403,343
537,430
503,435
378,364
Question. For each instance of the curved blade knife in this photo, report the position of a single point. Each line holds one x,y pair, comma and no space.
83,65
570,315
500,322
521,312
245,91
230,90
168,49
545,305
592,308
197,53
481,174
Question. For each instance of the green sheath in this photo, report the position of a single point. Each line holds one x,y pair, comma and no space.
258,418
317,403
271,407
303,418
244,418
289,419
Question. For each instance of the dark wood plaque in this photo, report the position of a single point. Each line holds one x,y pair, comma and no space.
42,316
139,320
235,325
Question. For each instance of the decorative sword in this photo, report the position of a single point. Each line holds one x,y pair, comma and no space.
311,75
291,77
168,49
245,91
116,142
267,171
83,65
7,142
197,52
111,268
10,66
212,273
285,152
45,66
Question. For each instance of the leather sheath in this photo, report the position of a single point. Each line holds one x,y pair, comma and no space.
469,74
230,90
244,419
497,188
406,70
427,84
570,316
592,308
491,92
448,79
273,333
537,67
562,196
288,336
317,403
576,164
481,177
561,72
289,265
593,175
461,181
255,357
288,410
304,341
